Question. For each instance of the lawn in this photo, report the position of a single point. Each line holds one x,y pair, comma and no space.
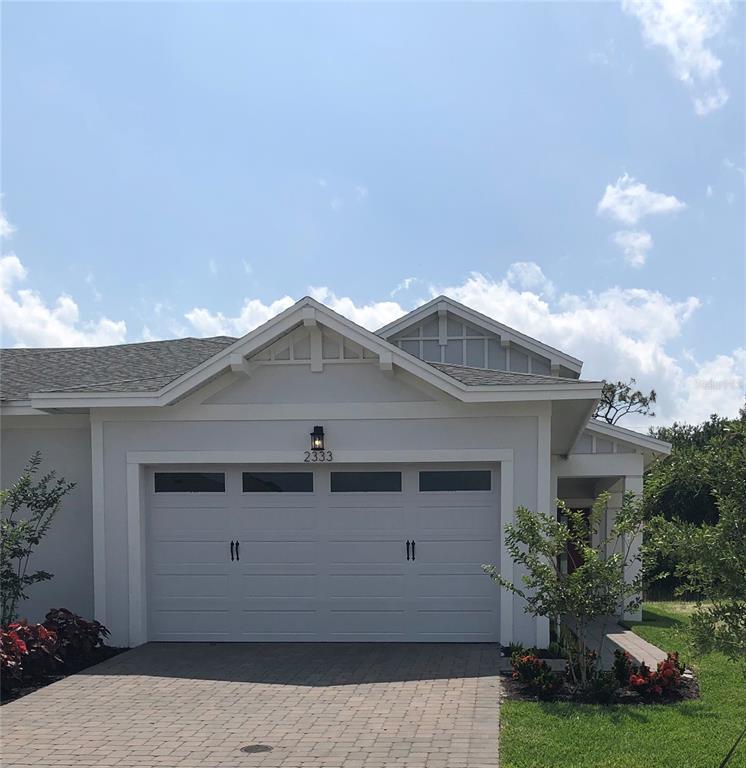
693,734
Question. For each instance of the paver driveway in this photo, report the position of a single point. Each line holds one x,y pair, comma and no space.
354,705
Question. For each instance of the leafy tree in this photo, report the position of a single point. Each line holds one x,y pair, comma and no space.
710,559
26,513
594,589
620,399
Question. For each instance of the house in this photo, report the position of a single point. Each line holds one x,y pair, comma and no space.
311,480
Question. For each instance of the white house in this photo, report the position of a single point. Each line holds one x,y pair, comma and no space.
205,510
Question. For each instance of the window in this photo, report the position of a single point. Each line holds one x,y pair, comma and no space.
278,482
456,480
189,482
365,482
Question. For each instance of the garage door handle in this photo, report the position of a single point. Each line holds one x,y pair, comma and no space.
407,549
237,557
231,550
412,549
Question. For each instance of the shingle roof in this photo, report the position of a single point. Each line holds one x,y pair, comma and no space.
150,365
481,377
144,367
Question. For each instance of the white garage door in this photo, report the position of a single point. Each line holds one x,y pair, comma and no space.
329,553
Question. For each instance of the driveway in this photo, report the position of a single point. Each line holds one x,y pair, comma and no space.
294,705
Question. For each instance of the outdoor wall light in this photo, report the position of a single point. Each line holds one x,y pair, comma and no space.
317,439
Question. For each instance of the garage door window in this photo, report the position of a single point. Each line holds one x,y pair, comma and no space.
189,482
278,482
456,480
365,482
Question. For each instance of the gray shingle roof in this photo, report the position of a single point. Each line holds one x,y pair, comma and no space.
479,376
150,365
144,367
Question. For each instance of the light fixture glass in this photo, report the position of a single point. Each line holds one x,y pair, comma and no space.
317,439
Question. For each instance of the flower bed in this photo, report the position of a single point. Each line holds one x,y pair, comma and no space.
625,683
34,655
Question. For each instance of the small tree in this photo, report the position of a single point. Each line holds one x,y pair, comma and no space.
619,399
710,560
595,588
26,513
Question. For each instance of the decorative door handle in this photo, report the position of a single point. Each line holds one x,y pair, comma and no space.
231,550
237,544
407,549
412,549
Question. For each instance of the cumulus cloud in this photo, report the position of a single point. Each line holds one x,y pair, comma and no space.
634,246
27,320
629,200
253,313
528,276
6,228
684,30
404,285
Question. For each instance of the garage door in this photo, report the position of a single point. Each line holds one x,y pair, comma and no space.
334,553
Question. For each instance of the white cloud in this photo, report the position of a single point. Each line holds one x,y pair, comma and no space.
528,275
6,228
247,268
361,192
404,285
28,321
684,29
253,313
213,267
634,245
709,191
336,203
629,200
91,283
371,316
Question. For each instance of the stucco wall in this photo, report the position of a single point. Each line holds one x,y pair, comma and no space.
67,550
498,431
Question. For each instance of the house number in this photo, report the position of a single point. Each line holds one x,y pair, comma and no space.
310,457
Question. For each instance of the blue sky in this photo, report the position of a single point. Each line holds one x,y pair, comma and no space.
574,170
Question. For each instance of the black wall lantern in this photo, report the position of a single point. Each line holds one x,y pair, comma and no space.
317,439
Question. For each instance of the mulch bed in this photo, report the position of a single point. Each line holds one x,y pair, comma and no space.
512,690
101,654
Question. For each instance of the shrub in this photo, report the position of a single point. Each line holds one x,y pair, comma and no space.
622,668
666,679
515,649
41,644
78,639
535,675
12,651
602,688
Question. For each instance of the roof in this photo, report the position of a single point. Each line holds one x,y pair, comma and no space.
144,367
647,442
475,377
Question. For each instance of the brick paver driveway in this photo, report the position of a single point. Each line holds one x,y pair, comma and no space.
304,705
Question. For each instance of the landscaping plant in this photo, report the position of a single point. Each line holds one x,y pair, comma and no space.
26,512
78,638
594,589
535,675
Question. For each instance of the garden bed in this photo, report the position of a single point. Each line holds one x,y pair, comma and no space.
23,689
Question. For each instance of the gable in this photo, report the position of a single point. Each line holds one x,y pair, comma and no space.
444,331
458,342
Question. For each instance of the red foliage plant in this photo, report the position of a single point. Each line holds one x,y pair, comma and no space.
664,681
78,638
535,674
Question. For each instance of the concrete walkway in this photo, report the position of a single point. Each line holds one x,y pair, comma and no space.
289,705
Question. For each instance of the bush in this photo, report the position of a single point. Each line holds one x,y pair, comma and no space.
665,681
78,639
41,644
535,675
12,651
622,668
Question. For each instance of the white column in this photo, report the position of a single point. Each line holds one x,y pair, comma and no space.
546,494
99,522
633,483
506,564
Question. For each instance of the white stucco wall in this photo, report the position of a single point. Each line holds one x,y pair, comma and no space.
67,550
233,427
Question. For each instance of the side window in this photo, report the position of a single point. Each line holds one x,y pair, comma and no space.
189,482
456,480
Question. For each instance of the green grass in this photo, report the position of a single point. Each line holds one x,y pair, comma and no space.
691,734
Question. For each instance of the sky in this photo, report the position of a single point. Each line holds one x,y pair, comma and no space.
574,170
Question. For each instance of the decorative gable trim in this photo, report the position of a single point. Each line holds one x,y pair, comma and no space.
443,304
